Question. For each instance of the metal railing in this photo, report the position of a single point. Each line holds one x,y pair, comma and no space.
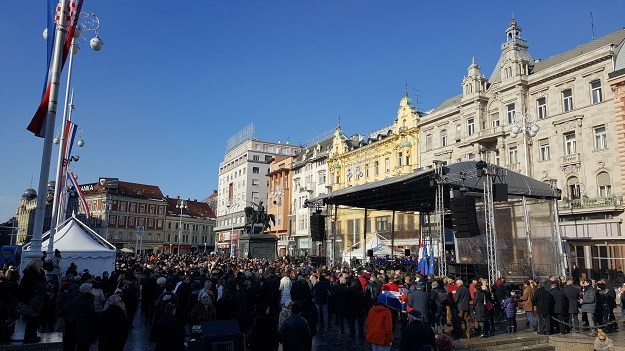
590,202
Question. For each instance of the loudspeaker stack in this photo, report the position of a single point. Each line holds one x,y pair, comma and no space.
464,217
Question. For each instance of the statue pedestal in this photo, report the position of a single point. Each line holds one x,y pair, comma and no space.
259,245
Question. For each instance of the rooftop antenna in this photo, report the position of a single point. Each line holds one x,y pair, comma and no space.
592,26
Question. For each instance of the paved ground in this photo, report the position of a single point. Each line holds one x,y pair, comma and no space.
332,340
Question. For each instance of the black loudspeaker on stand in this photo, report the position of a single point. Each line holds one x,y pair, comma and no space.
406,252
500,192
464,217
317,227
369,253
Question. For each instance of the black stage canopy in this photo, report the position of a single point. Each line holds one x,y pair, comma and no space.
417,191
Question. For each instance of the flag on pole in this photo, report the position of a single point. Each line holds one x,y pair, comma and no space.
431,257
421,258
38,123
81,198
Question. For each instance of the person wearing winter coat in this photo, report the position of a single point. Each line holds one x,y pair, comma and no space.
86,319
509,306
380,326
321,294
356,307
588,304
285,312
202,311
98,297
559,309
285,288
263,337
603,343
544,307
481,314
294,333
416,334
439,298
572,294
462,303
528,306
168,332
112,327
420,300
32,287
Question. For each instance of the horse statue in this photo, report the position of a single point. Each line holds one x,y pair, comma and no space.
258,215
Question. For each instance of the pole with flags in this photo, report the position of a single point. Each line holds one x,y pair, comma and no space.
48,130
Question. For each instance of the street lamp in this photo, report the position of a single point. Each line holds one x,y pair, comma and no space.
526,125
232,204
277,193
181,205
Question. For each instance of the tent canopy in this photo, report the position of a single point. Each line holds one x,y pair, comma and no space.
417,191
375,243
80,244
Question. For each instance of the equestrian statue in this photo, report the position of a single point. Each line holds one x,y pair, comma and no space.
256,214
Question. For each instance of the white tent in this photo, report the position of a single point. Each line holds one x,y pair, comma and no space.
81,245
375,243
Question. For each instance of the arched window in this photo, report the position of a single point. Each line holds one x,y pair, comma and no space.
604,184
573,188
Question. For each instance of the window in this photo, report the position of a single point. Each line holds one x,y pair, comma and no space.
470,126
569,143
603,182
595,91
470,156
376,168
256,158
322,177
545,152
541,108
494,122
255,182
567,100
382,224
400,155
133,207
122,206
387,165
255,170
122,221
366,170
573,188
510,113
428,142
513,155
408,161
601,141
444,137
141,208
255,195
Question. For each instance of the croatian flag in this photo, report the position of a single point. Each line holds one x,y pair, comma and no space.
421,265
81,198
431,258
38,123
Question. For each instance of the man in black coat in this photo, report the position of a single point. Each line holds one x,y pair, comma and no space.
544,304
559,309
112,326
462,301
294,332
416,334
168,332
572,294
420,301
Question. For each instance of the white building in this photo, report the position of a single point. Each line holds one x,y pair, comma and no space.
243,181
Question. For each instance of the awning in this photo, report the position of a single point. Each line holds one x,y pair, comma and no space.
417,191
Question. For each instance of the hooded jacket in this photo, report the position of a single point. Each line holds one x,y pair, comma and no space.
379,325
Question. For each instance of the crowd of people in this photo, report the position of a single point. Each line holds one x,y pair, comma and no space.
287,302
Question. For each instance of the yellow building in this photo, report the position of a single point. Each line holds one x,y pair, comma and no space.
388,152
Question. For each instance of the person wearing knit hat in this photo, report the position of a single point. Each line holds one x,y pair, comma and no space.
602,342
112,325
161,281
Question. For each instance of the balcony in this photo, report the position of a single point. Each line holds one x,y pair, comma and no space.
490,133
591,202
516,167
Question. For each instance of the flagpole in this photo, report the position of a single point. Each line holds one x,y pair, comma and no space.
44,173
63,200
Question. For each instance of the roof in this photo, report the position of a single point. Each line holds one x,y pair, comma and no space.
73,236
417,191
306,154
615,38
196,209
135,190
451,102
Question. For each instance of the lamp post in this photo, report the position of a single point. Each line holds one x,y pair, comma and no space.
232,204
181,205
526,125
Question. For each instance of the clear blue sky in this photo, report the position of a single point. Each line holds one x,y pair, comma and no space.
176,79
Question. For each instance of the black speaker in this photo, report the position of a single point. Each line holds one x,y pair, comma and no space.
406,252
464,217
369,253
500,192
317,227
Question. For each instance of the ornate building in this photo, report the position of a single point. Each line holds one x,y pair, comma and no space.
388,152
279,200
26,214
569,136
188,227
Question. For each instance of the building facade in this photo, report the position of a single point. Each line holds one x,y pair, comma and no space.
278,202
188,227
388,152
243,182
25,214
553,120
310,179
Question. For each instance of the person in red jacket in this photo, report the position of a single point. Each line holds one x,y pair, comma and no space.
380,326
